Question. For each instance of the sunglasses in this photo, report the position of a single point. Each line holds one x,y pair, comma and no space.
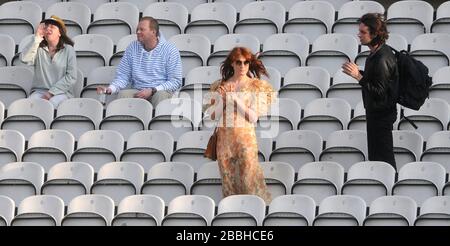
238,62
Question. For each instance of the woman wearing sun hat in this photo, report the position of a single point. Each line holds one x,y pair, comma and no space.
54,60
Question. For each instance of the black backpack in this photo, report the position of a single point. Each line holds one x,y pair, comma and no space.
414,82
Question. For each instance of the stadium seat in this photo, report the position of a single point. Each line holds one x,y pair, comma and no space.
29,116
395,40
369,180
49,147
409,18
19,18
99,76
22,45
209,182
291,210
78,115
7,208
190,148
189,210
341,210
92,50
121,46
438,149
115,20
284,51
198,82
325,115
148,148
440,24
279,177
194,50
420,180
225,43
261,19
68,180
345,87
435,211
12,144
440,87
127,116
432,50
391,211
358,122
310,18
44,210
169,180
6,50
304,84
297,148
89,210
319,180
92,4
283,115
76,16
15,84
118,180
432,117
408,147
240,210
139,210
237,4
212,20
19,180
330,51
172,17
98,147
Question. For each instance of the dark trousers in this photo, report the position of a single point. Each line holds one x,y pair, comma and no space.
379,136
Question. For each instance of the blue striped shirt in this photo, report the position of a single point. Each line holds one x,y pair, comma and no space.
159,68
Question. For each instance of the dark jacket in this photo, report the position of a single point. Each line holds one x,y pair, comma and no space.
380,81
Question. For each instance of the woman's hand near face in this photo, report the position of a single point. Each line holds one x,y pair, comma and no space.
40,30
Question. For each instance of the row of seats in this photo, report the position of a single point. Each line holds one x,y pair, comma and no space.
258,17
282,51
236,210
129,115
367,179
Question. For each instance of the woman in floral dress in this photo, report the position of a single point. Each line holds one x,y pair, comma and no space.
240,97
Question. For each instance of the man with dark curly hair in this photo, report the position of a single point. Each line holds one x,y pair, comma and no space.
379,82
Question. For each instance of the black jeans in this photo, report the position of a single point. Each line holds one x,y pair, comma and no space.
379,136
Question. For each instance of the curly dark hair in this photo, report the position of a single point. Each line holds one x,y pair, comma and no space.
377,27
256,67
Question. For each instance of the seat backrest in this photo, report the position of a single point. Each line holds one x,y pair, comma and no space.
194,139
409,140
18,75
175,12
124,42
8,48
179,171
373,170
126,12
316,76
29,171
299,204
189,4
347,204
400,205
58,139
153,139
6,209
269,10
419,10
307,139
101,75
344,43
349,138
106,139
180,106
203,75
436,205
92,4
249,204
327,170
13,140
88,107
98,204
288,108
280,171
223,12
196,204
356,9
25,10
434,107
432,41
195,43
319,10
229,41
292,42
79,13
79,171
336,107
98,43
441,76
50,205
40,108
137,107
129,171
430,171
146,204
209,170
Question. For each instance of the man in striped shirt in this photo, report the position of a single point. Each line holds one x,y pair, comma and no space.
151,66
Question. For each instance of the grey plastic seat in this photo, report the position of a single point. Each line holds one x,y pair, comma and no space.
92,4
345,87
12,145
240,210
279,177
89,210
43,210
194,50
76,16
18,18
342,210
439,88
227,42
99,76
391,211
191,147
6,50
208,182
438,149
435,211
139,210
408,147
15,84
283,115
172,17
6,210
190,210
121,46
291,210
92,50
432,50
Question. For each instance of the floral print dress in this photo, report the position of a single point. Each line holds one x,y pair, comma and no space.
237,149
